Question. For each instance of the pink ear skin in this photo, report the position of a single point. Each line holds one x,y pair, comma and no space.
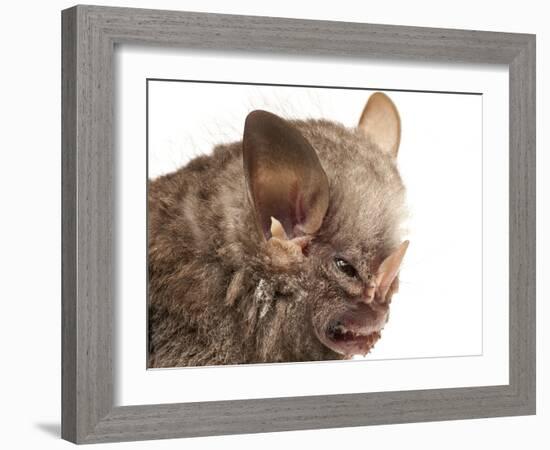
388,270
380,122
284,176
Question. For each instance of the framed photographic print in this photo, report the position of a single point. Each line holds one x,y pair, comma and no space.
277,224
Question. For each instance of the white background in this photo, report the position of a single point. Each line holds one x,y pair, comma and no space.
441,162
30,226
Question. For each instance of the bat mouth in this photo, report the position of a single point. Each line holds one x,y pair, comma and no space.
350,341
354,332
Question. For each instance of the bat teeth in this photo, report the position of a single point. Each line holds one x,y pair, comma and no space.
340,332
345,330
340,328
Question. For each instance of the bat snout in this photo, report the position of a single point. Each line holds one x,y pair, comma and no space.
368,294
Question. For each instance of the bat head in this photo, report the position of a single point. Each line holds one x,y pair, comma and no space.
328,202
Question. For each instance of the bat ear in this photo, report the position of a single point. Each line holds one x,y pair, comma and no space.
284,176
381,124
389,269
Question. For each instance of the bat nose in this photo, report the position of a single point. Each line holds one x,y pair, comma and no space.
368,294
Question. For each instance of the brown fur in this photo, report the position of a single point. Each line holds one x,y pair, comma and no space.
217,294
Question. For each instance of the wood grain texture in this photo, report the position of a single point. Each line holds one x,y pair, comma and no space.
89,204
522,224
68,225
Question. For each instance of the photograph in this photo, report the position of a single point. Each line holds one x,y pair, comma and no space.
279,221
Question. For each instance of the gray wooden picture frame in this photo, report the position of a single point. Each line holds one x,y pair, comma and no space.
89,37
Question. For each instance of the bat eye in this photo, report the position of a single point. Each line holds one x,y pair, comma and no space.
345,267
